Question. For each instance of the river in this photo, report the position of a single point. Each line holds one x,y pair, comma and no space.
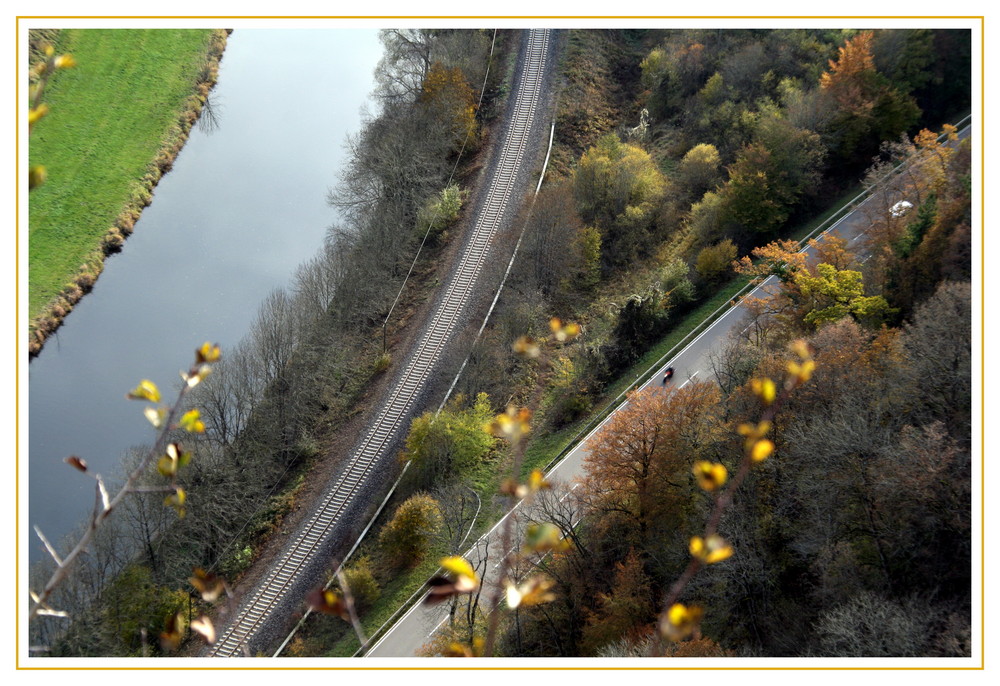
242,207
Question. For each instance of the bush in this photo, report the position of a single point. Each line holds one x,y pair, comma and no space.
381,363
404,540
439,213
714,262
362,584
675,284
451,443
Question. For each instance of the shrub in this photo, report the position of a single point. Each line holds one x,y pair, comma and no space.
362,584
405,539
713,262
440,212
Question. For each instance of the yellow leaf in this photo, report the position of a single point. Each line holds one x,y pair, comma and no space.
710,550
535,591
526,346
330,602
537,482
167,467
146,390
511,425
36,113
197,377
191,423
176,501
764,389
761,450
208,352
544,537
563,332
207,584
680,621
173,633
36,176
710,475
459,566
801,348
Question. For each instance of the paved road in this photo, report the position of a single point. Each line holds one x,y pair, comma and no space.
414,629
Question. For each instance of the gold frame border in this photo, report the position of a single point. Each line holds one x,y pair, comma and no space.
982,343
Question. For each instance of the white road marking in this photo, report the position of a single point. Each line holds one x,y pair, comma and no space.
690,379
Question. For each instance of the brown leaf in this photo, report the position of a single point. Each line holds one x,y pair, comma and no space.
173,633
439,589
329,602
77,462
207,584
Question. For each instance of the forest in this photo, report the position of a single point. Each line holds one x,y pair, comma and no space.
839,549
687,163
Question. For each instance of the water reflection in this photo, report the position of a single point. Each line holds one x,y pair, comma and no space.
240,210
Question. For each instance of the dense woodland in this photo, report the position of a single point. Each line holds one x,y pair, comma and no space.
684,155
684,160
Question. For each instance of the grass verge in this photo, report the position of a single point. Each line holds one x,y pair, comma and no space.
117,122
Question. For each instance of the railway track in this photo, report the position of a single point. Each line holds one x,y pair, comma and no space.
382,434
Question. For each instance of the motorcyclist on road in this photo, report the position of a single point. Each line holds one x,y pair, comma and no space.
668,375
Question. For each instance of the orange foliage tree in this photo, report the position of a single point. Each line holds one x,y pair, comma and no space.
869,108
638,465
445,89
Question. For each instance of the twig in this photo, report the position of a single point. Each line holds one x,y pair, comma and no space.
103,508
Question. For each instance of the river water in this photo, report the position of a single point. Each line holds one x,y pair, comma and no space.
242,207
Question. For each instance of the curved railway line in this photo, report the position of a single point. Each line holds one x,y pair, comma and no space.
385,429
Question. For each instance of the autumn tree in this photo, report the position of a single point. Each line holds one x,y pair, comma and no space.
638,465
446,92
705,219
813,294
360,580
624,610
869,108
698,170
754,198
832,294
797,155
640,320
440,212
771,176
617,187
675,285
914,250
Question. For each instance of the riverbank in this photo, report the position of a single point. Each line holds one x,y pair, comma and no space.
117,123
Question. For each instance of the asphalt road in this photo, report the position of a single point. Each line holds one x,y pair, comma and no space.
415,628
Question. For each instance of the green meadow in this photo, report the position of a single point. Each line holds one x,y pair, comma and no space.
109,118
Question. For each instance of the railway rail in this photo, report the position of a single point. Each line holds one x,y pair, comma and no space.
385,430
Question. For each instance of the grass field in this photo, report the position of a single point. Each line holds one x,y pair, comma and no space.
109,118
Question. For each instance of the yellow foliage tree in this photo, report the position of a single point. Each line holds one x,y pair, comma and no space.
446,90
618,187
